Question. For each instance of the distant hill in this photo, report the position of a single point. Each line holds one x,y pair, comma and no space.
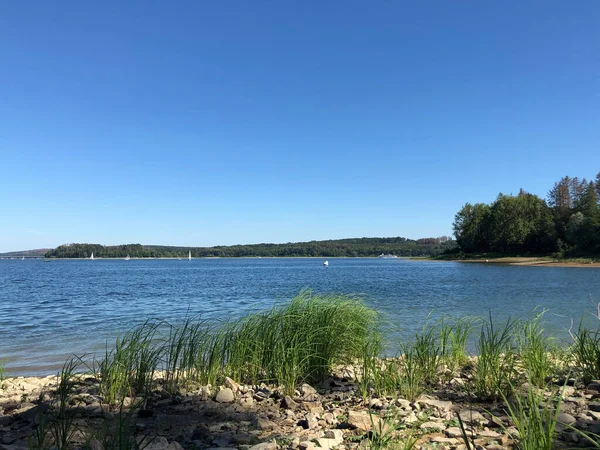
35,252
352,247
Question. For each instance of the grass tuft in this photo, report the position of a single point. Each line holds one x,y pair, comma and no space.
535,351
535,423
495,369
586,352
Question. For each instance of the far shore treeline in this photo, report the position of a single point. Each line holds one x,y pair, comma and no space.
567,224
341,247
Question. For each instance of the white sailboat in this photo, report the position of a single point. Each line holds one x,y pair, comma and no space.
127,258
190,256
326,263
92,256
23,258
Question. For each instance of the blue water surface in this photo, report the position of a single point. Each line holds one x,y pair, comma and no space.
51,310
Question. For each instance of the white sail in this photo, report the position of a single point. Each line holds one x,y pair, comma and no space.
326,263
190,255
127,258
92,257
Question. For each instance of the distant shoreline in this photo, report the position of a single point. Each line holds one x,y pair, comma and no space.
529,261
223,257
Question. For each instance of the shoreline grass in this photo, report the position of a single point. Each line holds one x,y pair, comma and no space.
306,339
302,341
313,336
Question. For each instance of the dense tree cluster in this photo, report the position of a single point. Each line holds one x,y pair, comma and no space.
569,222
342,247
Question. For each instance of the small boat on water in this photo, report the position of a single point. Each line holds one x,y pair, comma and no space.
382,256
127,258
326,263
23,258
92,256
190,256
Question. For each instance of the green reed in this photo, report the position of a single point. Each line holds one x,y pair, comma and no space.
586,352
373,373
129,367
56,425
458,336
428,353
189,346
496,362
119,433
300,341
535,423
384,433
535,350
413,381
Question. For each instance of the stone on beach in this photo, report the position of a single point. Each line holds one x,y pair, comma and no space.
225,396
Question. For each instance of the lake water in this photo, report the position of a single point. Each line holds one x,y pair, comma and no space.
49,311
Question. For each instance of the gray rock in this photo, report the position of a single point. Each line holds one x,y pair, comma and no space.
362,420
402,403
328,444
264,446
441,407
200,433
472,416
225,396
95,444
411,418
488,434
243,438
568,391
317,410
376,403
222,441
158,443
264,424
288,403
307,389
573,436
174,445
235,387
312,420
329,418
453,432
247,401
432,426
335,434
22,446
444,440
594,406
565,418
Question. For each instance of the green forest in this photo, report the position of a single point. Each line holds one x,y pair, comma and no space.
566,224
398,246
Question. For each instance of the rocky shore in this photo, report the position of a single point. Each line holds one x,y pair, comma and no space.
331,415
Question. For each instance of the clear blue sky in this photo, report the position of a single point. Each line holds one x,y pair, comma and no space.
204,123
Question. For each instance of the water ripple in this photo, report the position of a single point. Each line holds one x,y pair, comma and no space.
50,311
